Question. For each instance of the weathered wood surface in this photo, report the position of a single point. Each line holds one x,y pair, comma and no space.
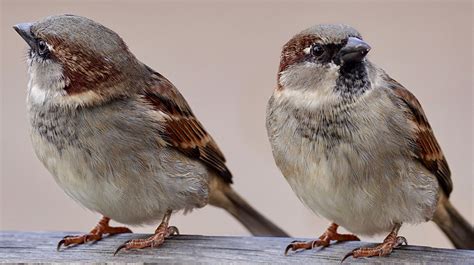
18,247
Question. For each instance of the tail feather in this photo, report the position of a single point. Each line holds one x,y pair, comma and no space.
223,196
459,231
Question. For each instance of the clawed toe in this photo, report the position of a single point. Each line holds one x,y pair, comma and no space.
154,241
297,245
161,233
384,249
77,240
96,234
323,241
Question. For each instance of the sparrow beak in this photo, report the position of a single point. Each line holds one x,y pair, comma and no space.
354,51
24,29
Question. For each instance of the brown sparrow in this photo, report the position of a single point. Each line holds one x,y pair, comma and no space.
118,137
355,145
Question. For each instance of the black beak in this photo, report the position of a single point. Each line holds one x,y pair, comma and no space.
24,29
354,51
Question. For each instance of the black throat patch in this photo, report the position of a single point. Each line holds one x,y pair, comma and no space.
353,80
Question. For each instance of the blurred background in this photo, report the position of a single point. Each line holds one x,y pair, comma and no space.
223,56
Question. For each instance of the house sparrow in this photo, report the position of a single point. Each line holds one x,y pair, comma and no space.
355,145
118,137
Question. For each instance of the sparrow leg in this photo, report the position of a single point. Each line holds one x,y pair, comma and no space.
390,242
161,233
95,234
323,240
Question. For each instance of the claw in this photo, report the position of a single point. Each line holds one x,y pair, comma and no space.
290,246
351,253
314,244
347,255
60,243
124,245
401,240
173,231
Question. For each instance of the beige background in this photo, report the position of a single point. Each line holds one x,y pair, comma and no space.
223,56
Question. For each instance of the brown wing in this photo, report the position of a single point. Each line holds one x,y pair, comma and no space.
181,128
427,150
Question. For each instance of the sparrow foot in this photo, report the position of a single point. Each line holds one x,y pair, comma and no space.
95,234
161,233
391,241
323,241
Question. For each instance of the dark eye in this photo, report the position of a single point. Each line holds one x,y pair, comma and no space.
317,50
42,47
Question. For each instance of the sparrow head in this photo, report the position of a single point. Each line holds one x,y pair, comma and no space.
74,60
318,56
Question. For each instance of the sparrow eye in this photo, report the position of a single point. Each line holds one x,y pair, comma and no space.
317,50
42,47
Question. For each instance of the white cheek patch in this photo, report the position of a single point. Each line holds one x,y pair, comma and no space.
37,94
46,82
309,85
310,99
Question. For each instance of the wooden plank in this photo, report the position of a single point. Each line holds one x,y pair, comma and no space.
18,247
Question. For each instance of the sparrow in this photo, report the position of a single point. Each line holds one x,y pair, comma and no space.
355,145
118,137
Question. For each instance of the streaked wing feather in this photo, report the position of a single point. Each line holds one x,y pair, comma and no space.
427,151
182,129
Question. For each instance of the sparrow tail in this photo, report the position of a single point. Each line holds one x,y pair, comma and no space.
223,196
459,231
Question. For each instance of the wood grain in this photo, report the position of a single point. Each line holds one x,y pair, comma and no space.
19,247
